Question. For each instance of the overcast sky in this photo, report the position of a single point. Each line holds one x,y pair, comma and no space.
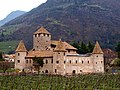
7,6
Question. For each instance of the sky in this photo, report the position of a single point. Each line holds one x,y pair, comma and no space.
7,6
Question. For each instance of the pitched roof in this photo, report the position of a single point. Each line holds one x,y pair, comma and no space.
42,30
60,46
97,49
67,46
39,54
21,47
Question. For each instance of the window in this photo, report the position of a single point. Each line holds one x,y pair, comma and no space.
35,35
101,61
96,56
58,53
26,61
82,62
48,35
44,34
80,70
38,35
96,62
18,61
46,61
76,61
64,62
64,54
18,54
55,70
68,51
88,62
57,62
52,61
30,61
70,61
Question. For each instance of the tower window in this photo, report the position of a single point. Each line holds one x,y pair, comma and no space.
64,62
82,62
18,54
76,61
55,70
18,61
88,61
57,62
30,61
52,61
26,61
101,61
35,35
96,62
46,61
70,61
44,34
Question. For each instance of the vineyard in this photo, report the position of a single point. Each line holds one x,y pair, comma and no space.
45,82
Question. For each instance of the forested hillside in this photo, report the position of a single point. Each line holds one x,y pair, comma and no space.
71,20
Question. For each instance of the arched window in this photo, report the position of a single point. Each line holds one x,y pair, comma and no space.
46,61
46,71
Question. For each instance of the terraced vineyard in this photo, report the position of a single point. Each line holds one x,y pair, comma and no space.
44,82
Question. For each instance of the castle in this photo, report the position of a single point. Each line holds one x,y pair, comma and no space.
59,57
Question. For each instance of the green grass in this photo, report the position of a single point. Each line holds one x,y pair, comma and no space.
8,46
43,82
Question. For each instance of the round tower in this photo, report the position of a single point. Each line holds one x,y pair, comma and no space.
41,40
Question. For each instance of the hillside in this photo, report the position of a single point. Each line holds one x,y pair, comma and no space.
11,16
80,20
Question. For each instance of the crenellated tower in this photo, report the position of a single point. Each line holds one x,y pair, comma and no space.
41,40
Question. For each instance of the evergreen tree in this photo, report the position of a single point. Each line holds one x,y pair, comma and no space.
90,47
118,49
76,45
83,48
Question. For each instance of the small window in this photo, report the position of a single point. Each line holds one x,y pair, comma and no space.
57,62
18,61
55,70
64,54
38,35
35,35
96,62
30,61
68,51
26,61
52,61
70,61
76,61
46,61
58,53
96,56
44,34
18,54
48,35
82,62
88,62
101,61
64,62
80,70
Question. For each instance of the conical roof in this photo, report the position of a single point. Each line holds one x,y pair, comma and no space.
97,49
21,47
60,46
42,30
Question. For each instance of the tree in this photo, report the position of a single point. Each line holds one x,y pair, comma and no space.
4,66
83,48
90,47
116,62
37,63
118,49
1,57
76,45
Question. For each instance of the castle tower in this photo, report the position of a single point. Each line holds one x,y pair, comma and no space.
59,58
20,55
98,59
41,40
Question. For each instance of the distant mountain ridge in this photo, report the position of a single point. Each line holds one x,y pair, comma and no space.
71,20
11,16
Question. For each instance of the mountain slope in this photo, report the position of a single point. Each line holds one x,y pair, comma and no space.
80,20
11,16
